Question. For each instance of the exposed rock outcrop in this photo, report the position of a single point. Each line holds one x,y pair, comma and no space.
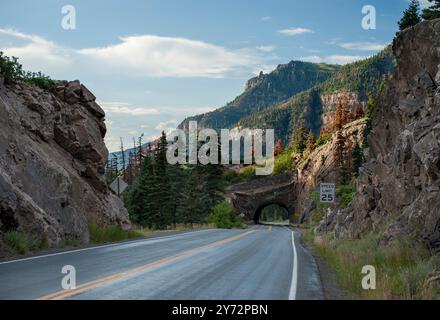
399,187
52,158
320,166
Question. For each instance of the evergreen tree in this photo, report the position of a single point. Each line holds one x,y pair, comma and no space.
310,141
369,126
339,155
138,199
299,140
433,12
411,16
356,159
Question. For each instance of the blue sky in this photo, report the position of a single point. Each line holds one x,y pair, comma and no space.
152,63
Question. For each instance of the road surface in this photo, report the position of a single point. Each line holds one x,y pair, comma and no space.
261,262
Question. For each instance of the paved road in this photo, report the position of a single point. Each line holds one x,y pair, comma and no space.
262,262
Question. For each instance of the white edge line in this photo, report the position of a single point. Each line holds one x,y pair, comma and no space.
293,284
102,246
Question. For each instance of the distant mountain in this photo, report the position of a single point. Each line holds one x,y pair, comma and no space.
265,91
314,107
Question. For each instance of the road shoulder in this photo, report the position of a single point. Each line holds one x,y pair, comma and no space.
330,287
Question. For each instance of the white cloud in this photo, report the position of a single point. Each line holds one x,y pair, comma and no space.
35,50
133,56
125,108
150,55
166,125
363,46
424,3
267,18
294,31
332,59
266,48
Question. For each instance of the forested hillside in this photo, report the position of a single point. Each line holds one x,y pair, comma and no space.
265,91
312,108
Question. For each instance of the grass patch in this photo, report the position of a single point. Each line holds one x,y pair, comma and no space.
19,242
111,234
404,269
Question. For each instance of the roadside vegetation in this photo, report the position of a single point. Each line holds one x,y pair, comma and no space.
12,71
404,269
18,243
111,234
223,216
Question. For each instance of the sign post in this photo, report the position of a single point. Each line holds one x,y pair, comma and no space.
327,192
326,195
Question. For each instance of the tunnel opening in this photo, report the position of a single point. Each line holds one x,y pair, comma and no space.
270,213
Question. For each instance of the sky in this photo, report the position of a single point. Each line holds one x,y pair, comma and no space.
152,63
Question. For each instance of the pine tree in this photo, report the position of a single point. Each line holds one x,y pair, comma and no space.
299,140
310,141
371,102
433,12
162,197
339,155
138,199
411,16
356,159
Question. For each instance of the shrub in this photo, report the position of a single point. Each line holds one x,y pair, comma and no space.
12,71
223,216
111,234
19,243
345,194
283,162
323,139
247,173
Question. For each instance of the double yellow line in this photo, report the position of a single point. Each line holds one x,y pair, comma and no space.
95,283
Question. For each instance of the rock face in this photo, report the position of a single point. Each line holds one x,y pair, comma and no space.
320,166
399,187
52,158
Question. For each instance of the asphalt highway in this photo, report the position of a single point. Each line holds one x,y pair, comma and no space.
261,262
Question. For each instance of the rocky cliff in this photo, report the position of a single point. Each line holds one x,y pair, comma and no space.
321,166
398,191
52,158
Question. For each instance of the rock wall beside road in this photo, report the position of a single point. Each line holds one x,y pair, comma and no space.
52,159
398,191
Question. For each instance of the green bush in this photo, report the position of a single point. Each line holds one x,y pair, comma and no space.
322,140
345,194
223,216
111,234
247,173
12,71
19,243
283,162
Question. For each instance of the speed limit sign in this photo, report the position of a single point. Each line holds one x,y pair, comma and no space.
327,192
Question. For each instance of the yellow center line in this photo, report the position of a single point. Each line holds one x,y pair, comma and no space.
95,283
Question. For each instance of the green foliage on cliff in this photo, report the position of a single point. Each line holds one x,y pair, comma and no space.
433,11
12,71
411,16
